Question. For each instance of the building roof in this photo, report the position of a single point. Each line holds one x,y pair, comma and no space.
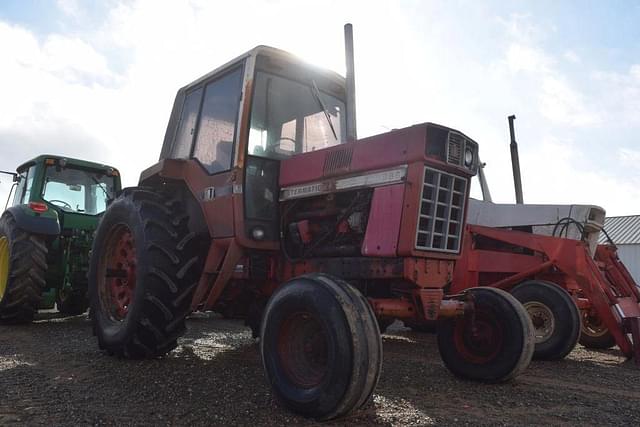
623,230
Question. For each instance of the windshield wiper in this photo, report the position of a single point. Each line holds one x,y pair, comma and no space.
316,95
99,185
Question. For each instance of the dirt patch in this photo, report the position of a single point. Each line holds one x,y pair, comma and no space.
52,373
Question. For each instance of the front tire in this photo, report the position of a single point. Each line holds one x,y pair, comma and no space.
23,266
594,334
143,270
555,318
320,346
493,344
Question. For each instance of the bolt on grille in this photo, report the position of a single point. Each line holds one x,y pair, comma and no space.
455,144
440,218
338,160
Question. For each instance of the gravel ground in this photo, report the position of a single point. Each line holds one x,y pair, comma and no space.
52,373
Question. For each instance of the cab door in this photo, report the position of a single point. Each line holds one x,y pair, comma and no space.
207,134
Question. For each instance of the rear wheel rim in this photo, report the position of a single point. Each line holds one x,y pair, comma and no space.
303,350
542,318
4,265
117,281
479,340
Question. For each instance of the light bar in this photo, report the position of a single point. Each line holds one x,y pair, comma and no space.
372,179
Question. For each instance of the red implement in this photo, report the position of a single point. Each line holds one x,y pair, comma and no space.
600,285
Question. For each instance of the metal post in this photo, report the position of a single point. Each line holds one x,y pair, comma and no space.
515,162
484,185
352,134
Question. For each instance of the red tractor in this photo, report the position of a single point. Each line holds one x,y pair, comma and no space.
265,205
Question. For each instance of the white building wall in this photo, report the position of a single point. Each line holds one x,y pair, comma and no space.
630,256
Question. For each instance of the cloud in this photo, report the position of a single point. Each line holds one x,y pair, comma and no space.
73,60
630,158
619,93
571,56
558,99
69,7
562,104
520,57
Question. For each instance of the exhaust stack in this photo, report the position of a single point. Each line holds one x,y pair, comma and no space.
484,186
515,161
352,133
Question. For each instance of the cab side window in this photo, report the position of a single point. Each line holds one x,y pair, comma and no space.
17,197
217,125
23,190
187,125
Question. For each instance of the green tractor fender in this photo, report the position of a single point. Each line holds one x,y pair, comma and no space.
45,223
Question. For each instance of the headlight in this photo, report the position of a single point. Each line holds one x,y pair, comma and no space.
468,157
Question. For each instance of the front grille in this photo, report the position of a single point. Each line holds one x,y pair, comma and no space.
455,147
441,212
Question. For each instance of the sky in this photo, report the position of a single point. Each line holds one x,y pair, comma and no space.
96,80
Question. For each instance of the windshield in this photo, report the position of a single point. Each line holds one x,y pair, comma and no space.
289,117
77,190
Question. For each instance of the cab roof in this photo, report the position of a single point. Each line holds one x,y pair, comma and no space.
271,52
71,161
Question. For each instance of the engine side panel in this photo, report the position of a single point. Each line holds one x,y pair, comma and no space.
383,228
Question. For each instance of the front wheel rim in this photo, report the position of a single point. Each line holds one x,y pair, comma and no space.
593,326
4,265
479,340
303,350
117,278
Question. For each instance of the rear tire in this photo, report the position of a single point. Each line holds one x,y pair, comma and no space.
494,344
23,266
143,270
555,318
320,346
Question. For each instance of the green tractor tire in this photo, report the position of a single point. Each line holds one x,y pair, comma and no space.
22,269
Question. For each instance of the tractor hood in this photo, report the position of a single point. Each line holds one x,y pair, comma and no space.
440,146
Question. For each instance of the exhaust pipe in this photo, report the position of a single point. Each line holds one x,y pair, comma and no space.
484,185
515,162
352,133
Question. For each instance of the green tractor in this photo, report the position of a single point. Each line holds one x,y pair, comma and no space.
46,234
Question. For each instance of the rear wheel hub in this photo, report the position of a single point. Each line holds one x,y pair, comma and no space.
542,319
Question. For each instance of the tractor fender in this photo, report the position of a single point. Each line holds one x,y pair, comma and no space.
45,223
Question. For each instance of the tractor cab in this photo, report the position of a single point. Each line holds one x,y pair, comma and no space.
73,188
232,127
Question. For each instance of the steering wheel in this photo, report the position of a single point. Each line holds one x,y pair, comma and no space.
61,202
286,138
277,144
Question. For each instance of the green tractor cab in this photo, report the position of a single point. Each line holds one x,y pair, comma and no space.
46,234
